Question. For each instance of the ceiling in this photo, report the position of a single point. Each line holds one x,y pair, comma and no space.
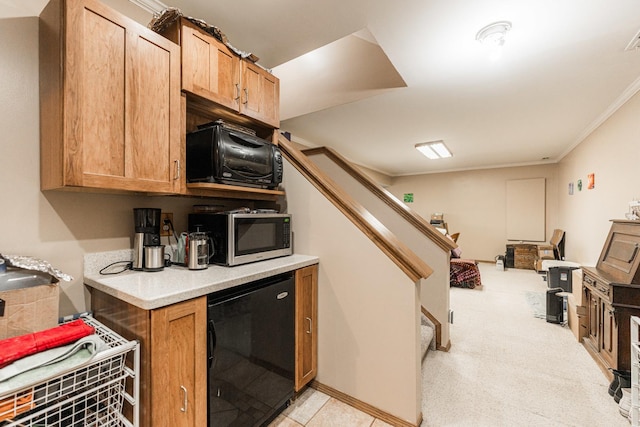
394,74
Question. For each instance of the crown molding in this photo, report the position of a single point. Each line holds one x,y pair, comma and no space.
631,90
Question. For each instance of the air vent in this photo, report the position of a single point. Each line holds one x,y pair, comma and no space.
634,44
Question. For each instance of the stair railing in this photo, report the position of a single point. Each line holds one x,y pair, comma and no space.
412,265
402,209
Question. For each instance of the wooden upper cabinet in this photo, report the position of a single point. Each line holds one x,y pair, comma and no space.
209,68
110,101
213,72
260,94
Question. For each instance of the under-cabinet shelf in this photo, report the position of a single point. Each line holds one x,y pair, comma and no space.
231,191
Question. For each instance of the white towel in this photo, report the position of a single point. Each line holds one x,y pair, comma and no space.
46,364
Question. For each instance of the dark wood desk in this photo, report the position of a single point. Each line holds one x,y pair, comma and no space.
612,292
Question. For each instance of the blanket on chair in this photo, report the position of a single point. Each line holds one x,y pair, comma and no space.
464,273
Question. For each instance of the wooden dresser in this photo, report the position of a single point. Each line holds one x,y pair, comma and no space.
612,292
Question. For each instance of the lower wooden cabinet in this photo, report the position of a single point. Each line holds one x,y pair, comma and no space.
602,331
178,364
601,327
173,344
173,380
611,306
306,325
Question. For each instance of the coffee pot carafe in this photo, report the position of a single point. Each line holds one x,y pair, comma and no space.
198,252
148,253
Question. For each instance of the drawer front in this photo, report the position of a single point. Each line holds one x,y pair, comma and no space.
597,286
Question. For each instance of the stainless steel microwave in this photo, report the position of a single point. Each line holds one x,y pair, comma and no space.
240,238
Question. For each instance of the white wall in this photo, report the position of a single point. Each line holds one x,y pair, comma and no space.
434,293
612,152
368,309
474,204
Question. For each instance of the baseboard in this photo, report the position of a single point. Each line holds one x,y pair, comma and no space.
362,406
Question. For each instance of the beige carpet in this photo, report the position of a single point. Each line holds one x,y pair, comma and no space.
508,368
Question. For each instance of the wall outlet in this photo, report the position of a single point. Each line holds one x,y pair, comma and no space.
166,222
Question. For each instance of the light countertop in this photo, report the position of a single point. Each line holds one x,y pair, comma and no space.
150,290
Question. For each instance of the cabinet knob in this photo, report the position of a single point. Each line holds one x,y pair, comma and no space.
237,98
246,96
184,399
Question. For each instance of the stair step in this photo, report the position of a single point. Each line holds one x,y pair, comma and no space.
426,336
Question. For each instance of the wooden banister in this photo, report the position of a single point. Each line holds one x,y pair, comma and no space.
402,209
437,329
414,267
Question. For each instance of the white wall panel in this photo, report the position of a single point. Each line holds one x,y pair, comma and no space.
526,209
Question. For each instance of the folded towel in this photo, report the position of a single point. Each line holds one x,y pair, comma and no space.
47,364
24,345
15,405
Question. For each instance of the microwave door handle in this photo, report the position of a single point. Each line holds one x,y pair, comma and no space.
211,331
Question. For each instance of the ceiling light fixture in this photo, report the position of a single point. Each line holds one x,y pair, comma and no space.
434,150
152,6
494,34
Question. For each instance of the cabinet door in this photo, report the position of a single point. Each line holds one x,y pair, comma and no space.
306,325
260,94
608,343
95,95
153,113
593,319
178,364
209,68
120,101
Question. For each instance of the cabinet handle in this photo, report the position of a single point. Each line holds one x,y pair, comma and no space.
310,324
237,92
246,96
177,174
184,401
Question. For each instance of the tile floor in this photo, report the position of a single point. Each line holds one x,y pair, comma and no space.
315,409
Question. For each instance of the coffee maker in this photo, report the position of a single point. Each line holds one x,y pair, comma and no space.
148,253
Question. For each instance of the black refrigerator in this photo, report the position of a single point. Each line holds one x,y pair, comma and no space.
251,352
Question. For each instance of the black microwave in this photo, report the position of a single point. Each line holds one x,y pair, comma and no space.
240,238
219,154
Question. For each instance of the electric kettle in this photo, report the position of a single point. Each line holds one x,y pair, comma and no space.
198,254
